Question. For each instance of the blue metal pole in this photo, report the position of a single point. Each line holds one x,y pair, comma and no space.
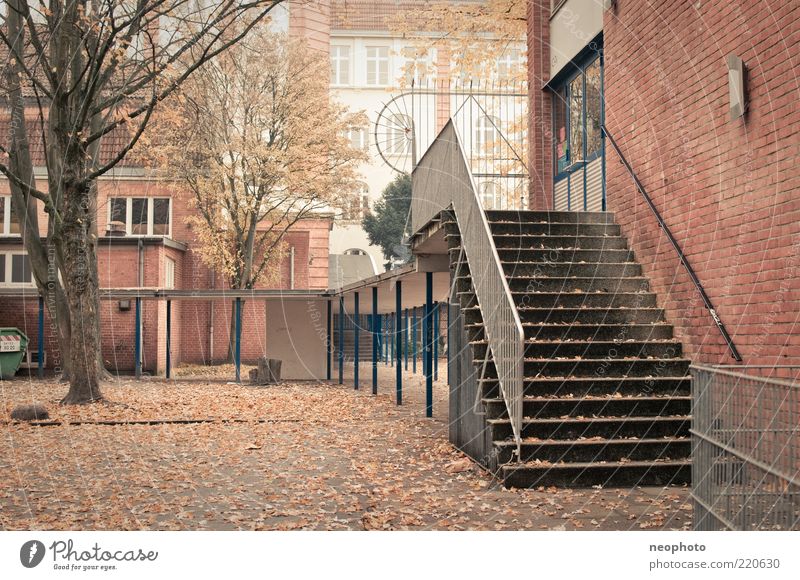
356,325
238,340
169,337
340,340
428,345
405,337
398,293
40,358
376,325
137,341
414,339
386,339
392,332
328,344
436,331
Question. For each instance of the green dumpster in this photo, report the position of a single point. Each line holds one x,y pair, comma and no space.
13,343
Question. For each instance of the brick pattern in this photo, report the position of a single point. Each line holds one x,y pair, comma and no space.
728,189
539,106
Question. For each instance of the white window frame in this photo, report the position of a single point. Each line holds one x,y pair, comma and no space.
169,274
359,139
341,73
487,127
129,215
8,270
509,60
5,226
374,59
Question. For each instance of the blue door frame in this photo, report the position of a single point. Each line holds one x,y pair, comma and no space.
562,86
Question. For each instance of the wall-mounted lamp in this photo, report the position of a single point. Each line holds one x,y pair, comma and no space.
736,86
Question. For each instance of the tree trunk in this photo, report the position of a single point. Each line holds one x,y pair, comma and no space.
79,262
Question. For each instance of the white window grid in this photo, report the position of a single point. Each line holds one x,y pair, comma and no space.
377,66
7,270
129,216
340,65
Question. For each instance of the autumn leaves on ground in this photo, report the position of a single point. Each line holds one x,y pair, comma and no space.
295,456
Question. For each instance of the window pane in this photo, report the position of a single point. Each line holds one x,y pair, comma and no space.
139,216
119,210
562,146
20,269
161,217
576,119
2,268
14,224
594,108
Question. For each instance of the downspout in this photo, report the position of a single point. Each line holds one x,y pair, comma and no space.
291,268
211,324
140,276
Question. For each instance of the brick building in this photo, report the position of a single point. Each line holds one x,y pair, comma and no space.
728,185
151,246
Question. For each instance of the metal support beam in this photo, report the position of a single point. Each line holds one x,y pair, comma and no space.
137,341
414,339
340,340
428,345
328,344
436,331
169,339
356,325
376,326
398,292
392,332
40,357
238,353
405,337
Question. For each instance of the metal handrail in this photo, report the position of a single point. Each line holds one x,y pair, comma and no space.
442,179
681,256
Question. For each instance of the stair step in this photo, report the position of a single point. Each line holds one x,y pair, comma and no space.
628,367
569,217
595,450
554,229
591,349
543,270
546,407
558,255
609,474
564,331
597,316
608,427
577,285
573,300
513,241
596,386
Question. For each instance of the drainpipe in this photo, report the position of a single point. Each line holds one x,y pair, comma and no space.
291,268
211,323
140,275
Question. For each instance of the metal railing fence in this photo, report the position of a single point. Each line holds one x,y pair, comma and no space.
746,448
442,179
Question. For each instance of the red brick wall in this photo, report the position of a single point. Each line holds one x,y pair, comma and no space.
539,106
730,190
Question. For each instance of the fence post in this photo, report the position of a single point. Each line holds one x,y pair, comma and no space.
238,340
414,339
398,291
329,344
40,361
356,325
340,339
376,325
428,331
137,341
169,338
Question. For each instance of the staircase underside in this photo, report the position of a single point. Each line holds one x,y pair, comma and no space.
606,391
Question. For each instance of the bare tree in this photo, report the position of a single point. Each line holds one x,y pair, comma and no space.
258,144
91,69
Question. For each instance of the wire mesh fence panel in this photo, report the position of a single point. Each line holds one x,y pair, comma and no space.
746,448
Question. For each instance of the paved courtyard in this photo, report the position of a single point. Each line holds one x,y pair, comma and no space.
297,456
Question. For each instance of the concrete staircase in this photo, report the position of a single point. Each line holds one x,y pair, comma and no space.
606,391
